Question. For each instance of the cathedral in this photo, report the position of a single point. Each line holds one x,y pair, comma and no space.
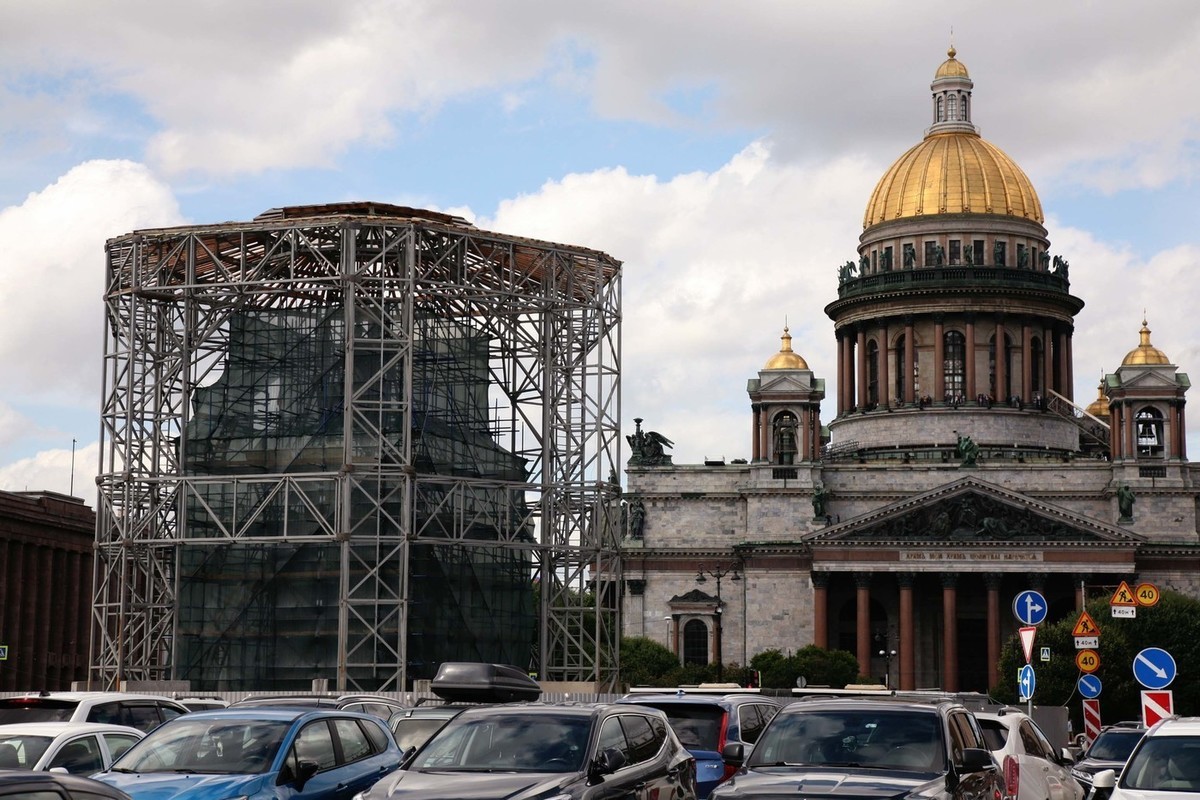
957,469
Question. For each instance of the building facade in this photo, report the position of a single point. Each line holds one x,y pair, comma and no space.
957,469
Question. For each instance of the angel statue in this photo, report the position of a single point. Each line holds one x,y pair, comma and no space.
646,447
846,272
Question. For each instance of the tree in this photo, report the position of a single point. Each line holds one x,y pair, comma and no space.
816,665
645,662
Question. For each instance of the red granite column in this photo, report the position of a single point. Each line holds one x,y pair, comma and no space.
908,656
862,584
970,356
910,361
1002,388
949,632
1182,431
755,452
1070,392
820,582
1026,363
939,359
992,580
860,357
885,389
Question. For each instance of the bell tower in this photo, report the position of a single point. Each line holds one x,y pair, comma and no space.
786,403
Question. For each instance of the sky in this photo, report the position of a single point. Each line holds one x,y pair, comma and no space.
724,152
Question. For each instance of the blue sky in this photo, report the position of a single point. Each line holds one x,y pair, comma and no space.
724,152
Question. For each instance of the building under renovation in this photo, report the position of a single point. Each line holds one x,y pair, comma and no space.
350,442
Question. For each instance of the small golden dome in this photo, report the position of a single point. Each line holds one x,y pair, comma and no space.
951,67
1145,353
953,173
1099,406
785,358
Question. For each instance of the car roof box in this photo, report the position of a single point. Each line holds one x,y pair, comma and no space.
474,682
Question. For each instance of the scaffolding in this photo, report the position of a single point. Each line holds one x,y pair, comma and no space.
352,442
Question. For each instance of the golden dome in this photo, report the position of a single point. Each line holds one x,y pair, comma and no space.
953,173
785,358
1099,406
1145,353
951,67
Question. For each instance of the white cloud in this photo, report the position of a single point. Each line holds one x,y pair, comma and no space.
55,471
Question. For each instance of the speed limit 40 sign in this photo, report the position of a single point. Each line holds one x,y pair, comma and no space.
1087,660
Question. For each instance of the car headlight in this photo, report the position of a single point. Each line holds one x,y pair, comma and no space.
1080,775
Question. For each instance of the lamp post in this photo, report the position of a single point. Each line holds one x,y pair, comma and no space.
717,573
887,675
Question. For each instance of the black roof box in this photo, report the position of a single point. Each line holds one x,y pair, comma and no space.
474,682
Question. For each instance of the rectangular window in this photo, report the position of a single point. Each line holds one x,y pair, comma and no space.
955,252
929,249
978,254
887,259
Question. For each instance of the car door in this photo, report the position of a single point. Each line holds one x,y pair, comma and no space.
626,783
116,744
964,732
1057,778
80,755
314,742
359,765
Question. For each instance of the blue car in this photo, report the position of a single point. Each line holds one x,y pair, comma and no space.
706,721
257,754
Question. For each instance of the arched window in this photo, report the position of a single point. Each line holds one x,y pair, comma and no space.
1037,366
695,642
1000,393
872,374
941,114
965,115
952,108
899,373
954,367
1149,424
784,429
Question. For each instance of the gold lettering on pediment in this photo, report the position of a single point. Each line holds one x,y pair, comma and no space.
968,556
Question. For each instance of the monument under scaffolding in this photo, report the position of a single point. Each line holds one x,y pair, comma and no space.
352,442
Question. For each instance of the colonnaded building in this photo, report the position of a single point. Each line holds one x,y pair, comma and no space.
958,469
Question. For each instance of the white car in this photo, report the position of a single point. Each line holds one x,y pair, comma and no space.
80,748
1164,765
142,711
1031,767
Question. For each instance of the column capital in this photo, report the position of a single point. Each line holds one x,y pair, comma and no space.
905,580
862,580
1038,580
820,580
992,580
949,580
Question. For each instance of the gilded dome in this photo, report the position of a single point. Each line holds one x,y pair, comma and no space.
1099,406
951,67
1145,353
785,358
953,173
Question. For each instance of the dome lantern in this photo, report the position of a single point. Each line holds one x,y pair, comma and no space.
786,358
1145,354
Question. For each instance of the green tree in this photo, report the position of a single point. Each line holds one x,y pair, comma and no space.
645,662
818,666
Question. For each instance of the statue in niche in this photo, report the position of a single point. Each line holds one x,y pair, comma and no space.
864,264
885,261
968,451
1045,259
998,254
969,255
637,518
1022,258
846,272
939,255
1125,501
646,447
819,499
910,256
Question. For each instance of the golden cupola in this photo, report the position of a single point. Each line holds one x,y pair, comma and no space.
1099,407
953,170
786,358
1145,354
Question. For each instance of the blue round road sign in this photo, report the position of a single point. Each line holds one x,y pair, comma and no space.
1154,668
1089,686
1026,682
1030,607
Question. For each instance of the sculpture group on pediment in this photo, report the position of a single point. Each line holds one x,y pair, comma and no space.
646,447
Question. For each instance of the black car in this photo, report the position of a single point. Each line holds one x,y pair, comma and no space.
1109,750
560,750
931,749
54,786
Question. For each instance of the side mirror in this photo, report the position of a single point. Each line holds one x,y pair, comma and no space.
1065,757
976,759
304,771
608,762
407,755
1105,779
734,754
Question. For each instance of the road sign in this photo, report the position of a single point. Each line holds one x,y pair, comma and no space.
1091,720
1147,594
1154,668
1156,706
1086,626
1045,656
1030,607
1087,642
1087,661
1123,596
1128,612
1027,634
1026,682
3,652
1090,686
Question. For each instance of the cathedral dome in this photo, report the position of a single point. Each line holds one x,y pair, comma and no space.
785,358
1145,353
951,67
1099,407
953,173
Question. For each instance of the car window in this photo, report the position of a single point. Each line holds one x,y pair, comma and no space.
354,741
108,713
377,736
698,727
884,737
995,733
143,716
511,743
416,731
750,723
962,735
118,743
19,751
79,756
379,710
1114,745
167,712
1164,764
315,743
612,735
36,709
25,794
639,734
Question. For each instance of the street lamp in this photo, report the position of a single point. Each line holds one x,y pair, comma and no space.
887,675
718,573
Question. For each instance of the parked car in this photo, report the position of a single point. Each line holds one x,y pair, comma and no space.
1165,764
568,750
1110,750
375,705
707,721
203,703
80,748
257,754
142,711
928,748
1031,768
20,785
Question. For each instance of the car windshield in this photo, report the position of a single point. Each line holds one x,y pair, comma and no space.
224,746
878,739
1114,745
416,731
35,709
22,752
1165,763
697,726
514,742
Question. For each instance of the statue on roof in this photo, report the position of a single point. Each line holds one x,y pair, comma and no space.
939,255
1061,267
1045,259
646,447
846,272
967,451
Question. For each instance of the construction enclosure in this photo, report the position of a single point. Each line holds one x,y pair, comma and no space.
350,442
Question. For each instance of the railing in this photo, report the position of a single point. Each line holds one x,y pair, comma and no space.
953,277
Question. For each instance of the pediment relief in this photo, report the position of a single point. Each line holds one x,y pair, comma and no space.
796,382
1149,378
972,512
694,597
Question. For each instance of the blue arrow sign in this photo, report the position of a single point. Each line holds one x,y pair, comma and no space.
1089,686
1030,607
1026,682
1154,668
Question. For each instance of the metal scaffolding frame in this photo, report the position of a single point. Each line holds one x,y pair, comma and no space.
450,355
